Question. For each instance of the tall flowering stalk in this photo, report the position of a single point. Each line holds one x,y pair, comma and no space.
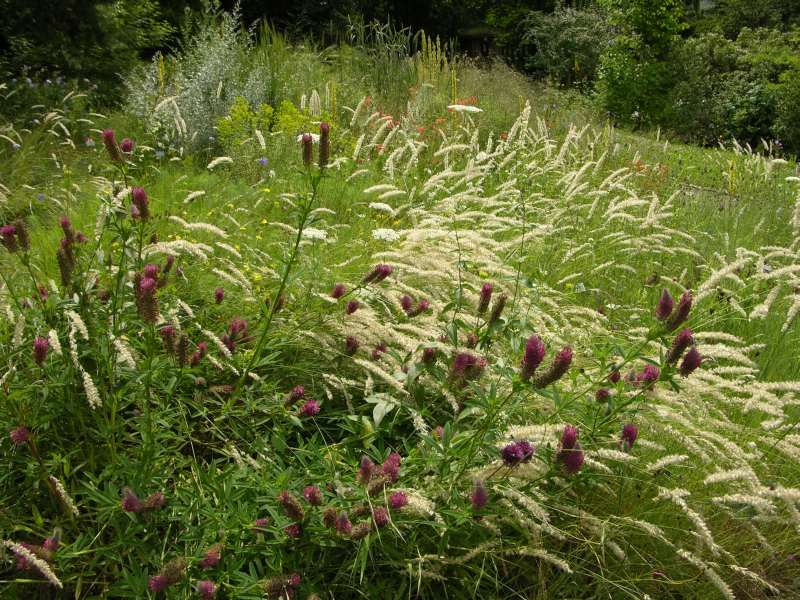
314,180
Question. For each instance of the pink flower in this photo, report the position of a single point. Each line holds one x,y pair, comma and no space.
338,291
648,376
110,142
352,307
20,435
158,583
296,394
570,454
295,530
365,470
558,368
690,362
308,148
211,557
381,516
343,524
130,501
206,589
313,495
398,500
480,495
126,145
681,312
141,202
517,452
41,346
628,436
351,345
219,295
664,306
534,354
682,341
485,298
260,525
310,408
602,395
391,466
378,274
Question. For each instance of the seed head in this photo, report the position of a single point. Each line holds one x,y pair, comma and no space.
291,506
110,142
497,308
308,149
343,524
206,589
324,144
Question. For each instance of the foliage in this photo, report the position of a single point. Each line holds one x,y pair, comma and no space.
567,44
98,40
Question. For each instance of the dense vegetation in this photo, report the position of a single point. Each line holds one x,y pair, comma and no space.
371,321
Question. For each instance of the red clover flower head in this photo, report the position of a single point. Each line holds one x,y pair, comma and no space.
126,145
381,516
343,524
681,312
664,306
429,356
291,506
534,354
158,584
8,237
365,470
398,500
422,306
690,362
379,350
378,274
406,303
628,436
297,393
41,346
558,368
602,395
310,408
155,501
517,452
485,298
338,291
351,345
352,307
141,202
308,149
219,295
324,144
110,142
211,557
295,530
206,589
497,308
614,376
20,435
130,501
648,376
467,367
480,495
391,466
570,454
682,341
313,495
259,525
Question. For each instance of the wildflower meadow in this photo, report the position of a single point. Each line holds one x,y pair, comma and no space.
376,321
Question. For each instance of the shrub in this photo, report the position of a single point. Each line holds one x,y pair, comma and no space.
566,46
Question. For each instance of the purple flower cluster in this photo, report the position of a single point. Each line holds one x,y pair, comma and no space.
517,452
557,369
532,358
570,453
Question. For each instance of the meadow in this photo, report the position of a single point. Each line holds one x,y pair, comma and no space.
339,323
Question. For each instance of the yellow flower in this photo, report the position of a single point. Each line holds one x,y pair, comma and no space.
263,221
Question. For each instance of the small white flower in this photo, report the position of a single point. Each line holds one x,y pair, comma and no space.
386,235
313,233
314,137
464,108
